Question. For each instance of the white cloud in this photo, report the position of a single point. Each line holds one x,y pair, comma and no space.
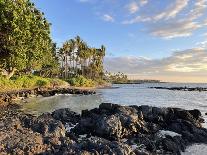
172,10
143,2
177,18
137,20
174,21
169,12
205,34
132,7
108,18
198,10
191,62
202,44
204,23
174,29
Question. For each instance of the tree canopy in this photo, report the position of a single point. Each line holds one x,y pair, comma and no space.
25,42
79,59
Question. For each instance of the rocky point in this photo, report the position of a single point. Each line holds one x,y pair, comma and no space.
109,129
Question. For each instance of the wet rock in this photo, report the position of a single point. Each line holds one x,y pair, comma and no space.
52,92
199,89
195,113
48,126
111,120
171,146
109,129
66,116
189,131
103,146
108,126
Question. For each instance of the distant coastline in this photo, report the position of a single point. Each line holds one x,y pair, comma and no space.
138,82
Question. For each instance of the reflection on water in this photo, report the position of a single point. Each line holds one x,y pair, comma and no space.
76,103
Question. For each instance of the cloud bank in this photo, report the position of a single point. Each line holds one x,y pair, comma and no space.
188,65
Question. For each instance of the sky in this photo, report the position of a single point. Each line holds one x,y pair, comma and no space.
146,39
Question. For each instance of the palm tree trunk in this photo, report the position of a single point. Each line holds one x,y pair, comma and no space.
66,66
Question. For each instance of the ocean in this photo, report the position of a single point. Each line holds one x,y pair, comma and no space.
129,94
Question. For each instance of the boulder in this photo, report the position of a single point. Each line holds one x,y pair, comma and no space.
66,116
103,146
109,129
109,126
45,124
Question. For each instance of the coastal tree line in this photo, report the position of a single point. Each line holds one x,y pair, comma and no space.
77,58
25,42
26,47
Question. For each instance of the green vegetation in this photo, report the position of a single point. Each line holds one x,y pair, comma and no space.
29,57
81,81
25,42
81,65
28,82
117,78
79,59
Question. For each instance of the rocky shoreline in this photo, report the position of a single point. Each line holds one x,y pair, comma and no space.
200,89
8,97
109,129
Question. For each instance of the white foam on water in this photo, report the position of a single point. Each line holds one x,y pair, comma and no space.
69,127
63,94
164,133
197,149
81,137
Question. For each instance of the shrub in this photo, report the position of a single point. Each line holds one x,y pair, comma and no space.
57,82
29,82
81,81
41,83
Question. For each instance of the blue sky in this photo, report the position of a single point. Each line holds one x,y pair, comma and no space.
132,29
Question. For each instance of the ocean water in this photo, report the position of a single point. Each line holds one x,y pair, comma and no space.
133,94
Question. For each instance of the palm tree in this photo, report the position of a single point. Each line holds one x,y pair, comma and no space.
61,59
83,60
78,46
66,49
72,55
66,52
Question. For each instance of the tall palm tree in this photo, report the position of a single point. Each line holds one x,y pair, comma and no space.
66,50
83,54
83,60
61,59
71,54
78,46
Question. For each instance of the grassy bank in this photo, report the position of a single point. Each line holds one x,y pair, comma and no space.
28,82
31,82
81,81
